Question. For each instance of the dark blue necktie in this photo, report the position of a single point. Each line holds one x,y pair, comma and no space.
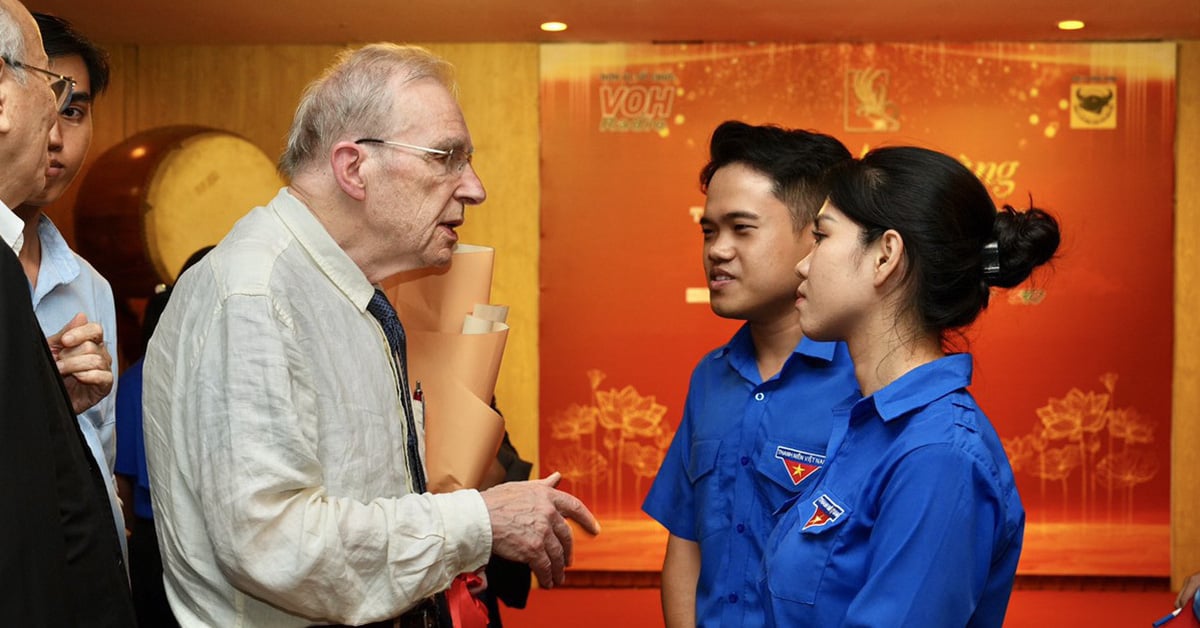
382,309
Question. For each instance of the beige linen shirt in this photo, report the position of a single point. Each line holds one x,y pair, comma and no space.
275,442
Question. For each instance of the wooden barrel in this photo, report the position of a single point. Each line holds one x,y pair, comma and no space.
149,202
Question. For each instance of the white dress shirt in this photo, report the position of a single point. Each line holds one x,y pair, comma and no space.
12,228
275,442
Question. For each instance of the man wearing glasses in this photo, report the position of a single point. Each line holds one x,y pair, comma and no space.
283,447
67,292
29,115
60,560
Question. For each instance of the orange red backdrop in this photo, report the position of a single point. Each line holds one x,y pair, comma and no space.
1073,369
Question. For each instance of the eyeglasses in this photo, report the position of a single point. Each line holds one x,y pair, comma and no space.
62,86
455,160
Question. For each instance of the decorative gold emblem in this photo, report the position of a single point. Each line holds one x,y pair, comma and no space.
867,108
1094,105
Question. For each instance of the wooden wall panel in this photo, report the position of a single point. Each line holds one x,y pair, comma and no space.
1185,411
253,91
498,88
249,90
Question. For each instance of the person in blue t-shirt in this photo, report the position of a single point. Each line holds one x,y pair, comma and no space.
757,416
915,519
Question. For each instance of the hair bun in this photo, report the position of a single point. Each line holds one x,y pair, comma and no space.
1026,239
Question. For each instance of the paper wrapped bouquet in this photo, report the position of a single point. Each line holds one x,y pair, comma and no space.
455,344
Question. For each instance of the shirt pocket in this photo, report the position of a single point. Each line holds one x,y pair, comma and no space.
703,459
706,486
786,472
802,549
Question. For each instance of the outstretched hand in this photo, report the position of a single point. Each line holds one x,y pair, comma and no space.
529,525
83,362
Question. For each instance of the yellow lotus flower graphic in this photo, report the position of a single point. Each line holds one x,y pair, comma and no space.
1073,415
1100,443
576,422
618,435
579,466
628,412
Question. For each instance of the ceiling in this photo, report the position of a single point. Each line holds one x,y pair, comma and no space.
325,22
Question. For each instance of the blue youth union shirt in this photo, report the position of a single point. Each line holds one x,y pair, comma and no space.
914,521
743,448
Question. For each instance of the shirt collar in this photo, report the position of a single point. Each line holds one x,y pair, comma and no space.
11,228
816,349
739,344
325,252
742,345
739,351
922,386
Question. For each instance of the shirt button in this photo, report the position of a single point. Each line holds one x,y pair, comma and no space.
745,461
741,528
759,396
733,598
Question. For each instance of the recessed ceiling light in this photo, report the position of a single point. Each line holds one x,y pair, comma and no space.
554,27
1070,25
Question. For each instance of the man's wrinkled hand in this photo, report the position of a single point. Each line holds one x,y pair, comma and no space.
83,362
529,525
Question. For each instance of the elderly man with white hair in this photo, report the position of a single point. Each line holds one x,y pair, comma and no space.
283,446
60,558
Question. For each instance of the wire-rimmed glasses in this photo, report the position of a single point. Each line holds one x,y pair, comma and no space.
455,160
62,86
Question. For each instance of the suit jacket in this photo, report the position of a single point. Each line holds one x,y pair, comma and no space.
60,560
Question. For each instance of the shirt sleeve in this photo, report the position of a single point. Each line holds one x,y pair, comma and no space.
671,500
932,543
277,534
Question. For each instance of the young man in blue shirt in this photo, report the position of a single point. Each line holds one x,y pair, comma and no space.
757,417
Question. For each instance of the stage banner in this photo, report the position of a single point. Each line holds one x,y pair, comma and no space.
1074,369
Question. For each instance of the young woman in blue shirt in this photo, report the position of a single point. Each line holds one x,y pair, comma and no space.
916,520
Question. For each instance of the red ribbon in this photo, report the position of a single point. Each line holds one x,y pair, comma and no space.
466,610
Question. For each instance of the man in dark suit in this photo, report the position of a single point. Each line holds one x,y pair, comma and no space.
60,561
